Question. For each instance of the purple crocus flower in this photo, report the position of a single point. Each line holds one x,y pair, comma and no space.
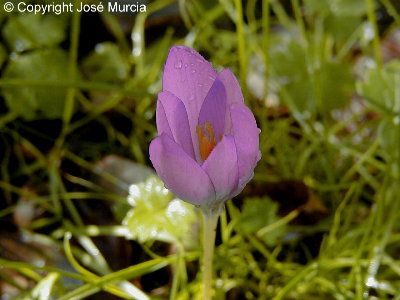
208,143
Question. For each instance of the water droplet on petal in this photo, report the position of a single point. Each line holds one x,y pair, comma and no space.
193,71
186,65
178,64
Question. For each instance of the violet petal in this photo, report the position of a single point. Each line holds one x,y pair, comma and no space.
162,121
181,173
234,94
188,76
214,109
222,167
172,119
245,132
233,91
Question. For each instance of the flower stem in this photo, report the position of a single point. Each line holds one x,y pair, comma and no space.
210,220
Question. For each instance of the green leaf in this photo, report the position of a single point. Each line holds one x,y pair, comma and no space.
258,213
337,85
156,215
348,8
317,7
31,31
32,102
381,88
341,28
338,8
106,63
327,87
95,285
42,290
389,135
341,18
289,64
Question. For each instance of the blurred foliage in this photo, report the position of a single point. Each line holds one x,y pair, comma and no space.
322,78
340,18
37,102
257,214
289,60
381,87
3,54
106,64
33,31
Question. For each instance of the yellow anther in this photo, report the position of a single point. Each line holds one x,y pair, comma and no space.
206,143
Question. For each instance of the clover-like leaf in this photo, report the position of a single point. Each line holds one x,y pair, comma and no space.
341,18
337,85
389,136
336,7
329,87
106,63
381,88
156,215
31,31
32,102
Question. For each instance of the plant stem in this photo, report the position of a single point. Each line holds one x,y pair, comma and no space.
241,42
375,42
210,220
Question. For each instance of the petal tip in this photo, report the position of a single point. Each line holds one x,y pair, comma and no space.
179,172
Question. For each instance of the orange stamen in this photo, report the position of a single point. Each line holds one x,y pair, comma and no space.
206,143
